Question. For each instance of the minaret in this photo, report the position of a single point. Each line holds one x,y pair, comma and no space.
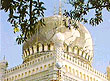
108,72
3,67
60,8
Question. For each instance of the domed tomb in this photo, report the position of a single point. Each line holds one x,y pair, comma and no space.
60,30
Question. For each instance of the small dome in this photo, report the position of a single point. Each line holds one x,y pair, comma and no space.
4,62
60,27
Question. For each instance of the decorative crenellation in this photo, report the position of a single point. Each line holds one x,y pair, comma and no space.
40,48
66,56
79,52
72,59
30,63
37,48
74,55
77,74
30,72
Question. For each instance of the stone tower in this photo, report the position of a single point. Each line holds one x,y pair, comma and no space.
3,67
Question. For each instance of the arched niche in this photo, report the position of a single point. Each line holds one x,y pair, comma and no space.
27,52
75,50
87,56
29,72
70,69
91,79
19,76
33,71
34,48
77,73
84,54
12,77
51,46
80,51
45,66
91,58
66,68
80,75
24,53
48,47
26,73
39,47
87,78
31,50
65,48
41,68
73,72
69,49
45,47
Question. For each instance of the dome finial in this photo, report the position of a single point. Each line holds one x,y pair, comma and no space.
4,58
55,10
60,8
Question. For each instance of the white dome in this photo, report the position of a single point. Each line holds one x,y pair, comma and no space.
55,30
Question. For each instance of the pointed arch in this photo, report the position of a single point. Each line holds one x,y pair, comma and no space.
80,52
34,48
39,47
45,47
65,48
75,50
51,46
69,49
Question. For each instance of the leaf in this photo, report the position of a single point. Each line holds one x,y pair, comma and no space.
43,8
16,29
19,16
108,8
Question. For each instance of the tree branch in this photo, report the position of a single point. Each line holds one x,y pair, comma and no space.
99,6
30,12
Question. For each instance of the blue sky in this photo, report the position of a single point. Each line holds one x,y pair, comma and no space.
100,35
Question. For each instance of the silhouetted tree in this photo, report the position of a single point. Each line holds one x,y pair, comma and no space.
83,7
23,16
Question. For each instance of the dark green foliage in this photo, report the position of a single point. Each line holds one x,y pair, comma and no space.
23,15
82,8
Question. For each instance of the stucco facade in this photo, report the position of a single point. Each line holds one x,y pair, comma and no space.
56,53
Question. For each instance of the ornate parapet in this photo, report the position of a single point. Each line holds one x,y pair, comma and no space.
26,70
35,50
81,64
29,64
40,49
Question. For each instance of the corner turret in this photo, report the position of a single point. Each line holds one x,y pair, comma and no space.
3,68
108,72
